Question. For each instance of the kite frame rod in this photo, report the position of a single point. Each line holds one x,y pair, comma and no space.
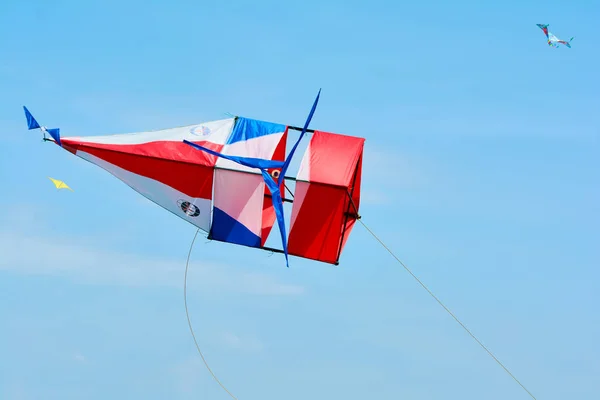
283,199
274,250
295,128
348,214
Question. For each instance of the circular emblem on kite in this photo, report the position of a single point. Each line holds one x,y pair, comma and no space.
188,208
275,174
200,130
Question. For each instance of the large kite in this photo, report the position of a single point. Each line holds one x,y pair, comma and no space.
553,41
227,177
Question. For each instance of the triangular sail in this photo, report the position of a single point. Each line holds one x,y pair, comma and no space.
160,167
196,186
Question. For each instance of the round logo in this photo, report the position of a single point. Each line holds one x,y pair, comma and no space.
200,130
188,208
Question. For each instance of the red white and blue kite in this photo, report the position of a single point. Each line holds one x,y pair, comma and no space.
553,41
227,177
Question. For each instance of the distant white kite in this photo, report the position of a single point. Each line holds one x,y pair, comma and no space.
553,41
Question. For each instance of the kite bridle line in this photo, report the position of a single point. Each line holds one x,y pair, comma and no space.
187,263
445,308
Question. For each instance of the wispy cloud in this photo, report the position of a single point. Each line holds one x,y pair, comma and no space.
80,358
81,260
15,390
385,171
250,344
188,376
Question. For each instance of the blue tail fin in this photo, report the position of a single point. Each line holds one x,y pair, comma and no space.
33,124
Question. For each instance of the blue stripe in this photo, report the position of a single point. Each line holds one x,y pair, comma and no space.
278,205
226,229
247,161
246,128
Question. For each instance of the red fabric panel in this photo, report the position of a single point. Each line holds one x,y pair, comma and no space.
192,174
317,230
333,158
167,150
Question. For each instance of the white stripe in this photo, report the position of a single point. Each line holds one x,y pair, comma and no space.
157,192
259,147
304,170
218,133
241,196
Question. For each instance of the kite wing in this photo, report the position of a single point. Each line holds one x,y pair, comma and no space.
552,39
566,43
555,41
544,28
224,189
60,184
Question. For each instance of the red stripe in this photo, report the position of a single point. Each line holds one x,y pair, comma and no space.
317,231
167,150
333,157
175,164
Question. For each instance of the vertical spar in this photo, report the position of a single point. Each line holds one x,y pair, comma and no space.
263,165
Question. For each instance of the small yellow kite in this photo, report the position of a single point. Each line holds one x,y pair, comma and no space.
60,184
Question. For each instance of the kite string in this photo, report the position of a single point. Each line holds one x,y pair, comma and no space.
187,263
446,308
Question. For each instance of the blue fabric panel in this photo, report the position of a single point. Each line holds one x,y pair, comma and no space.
226,229
55,133
246,128
31,122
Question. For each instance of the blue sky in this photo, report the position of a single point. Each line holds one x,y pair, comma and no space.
481,173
